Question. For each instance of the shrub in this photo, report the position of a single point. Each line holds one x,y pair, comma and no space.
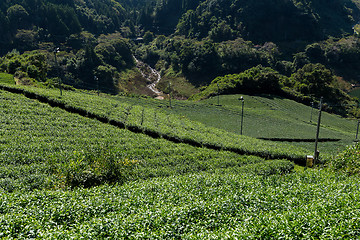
258,79
348,161
94,168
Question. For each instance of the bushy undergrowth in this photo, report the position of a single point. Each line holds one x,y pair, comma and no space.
348,161
95,168
255,80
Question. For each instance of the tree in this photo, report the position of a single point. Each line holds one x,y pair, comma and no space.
221,32
313,79
148,37
17,16
105,75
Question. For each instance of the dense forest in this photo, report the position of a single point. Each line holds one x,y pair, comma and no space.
190,42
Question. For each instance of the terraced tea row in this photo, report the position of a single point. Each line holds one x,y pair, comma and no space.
305,205
161,124
41,144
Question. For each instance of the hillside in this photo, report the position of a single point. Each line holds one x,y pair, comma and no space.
88,152
79,165
263,21
205,124
190,42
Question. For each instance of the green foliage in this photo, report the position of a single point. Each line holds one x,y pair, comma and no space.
348,161
45,147
115,52
316,80
313,79
202,61
110,56
308,83
269,168
341,55
254,80
106,76
148,37
163,16
56,21
94,168
33,63
7,78
357,29
308,204
221,32
266,20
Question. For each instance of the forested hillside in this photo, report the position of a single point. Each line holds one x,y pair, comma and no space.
259,21
191,42
269,20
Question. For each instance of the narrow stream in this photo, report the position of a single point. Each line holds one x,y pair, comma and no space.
151,75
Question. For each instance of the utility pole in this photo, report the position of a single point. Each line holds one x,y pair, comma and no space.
242,114
57,67
218,94
170,94
357,130
97,85
316,153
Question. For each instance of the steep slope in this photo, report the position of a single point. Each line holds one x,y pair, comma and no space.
264,20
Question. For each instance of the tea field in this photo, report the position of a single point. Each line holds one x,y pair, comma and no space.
267,117
304,205
82,166
40,145
153,122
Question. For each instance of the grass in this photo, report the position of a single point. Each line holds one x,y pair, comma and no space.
180,87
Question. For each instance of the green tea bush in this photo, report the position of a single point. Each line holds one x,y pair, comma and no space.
7,78
348,161
311,204
268,168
